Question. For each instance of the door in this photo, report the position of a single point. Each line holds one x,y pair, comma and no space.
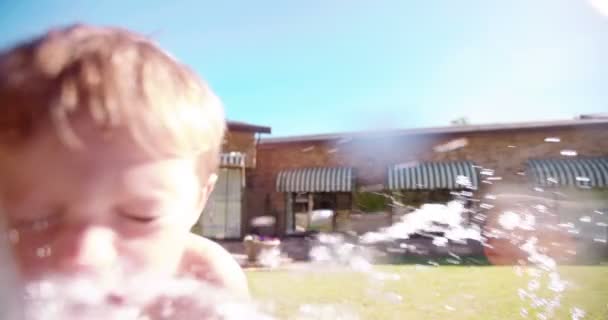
222,216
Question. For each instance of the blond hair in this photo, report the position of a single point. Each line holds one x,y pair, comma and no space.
115,78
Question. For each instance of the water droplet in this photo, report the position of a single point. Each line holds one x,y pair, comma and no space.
523,294
569,153
463,181
41,225
454,255
344,140
556,283
13,236
534,285
467,194
600,240
577,313
449,308
405,165
583,179
393,297
440,241
552,139
523,312
552,180
486,206
509,220
487,172
585,219
451,145
43,252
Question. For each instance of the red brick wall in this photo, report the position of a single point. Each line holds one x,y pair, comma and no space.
503,151
244,142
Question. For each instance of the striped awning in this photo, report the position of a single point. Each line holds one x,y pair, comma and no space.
232,159
315,180
433,175
579,172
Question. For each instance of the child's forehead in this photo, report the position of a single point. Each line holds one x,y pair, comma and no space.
84,141
97,153
113,154
46,166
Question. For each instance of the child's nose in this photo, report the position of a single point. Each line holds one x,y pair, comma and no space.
89,248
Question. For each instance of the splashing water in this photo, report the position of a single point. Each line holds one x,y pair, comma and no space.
79,298
430,218
542,271
170,298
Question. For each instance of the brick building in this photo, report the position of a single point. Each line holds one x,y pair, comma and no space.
298,174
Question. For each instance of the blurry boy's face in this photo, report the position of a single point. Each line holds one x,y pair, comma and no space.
92,211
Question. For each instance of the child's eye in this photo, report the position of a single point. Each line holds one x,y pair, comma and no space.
141,219
138,218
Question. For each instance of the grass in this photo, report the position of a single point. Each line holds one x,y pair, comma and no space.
445,292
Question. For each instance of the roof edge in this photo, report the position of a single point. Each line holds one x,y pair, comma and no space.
437,130
247,127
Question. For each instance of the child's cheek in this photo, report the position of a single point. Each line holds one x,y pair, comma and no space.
153,249
34,249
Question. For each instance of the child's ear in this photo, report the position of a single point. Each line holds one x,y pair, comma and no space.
206,190
204,193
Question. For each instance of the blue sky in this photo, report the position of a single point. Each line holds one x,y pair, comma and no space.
320,66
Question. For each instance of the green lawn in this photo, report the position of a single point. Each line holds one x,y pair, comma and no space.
446,292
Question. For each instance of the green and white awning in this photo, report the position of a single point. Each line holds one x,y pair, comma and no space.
232,159
433,175
579,172
315,180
